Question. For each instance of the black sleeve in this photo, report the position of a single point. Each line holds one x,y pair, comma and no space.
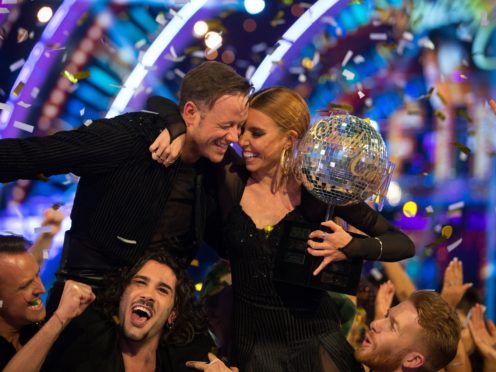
396,245
88,150
168,111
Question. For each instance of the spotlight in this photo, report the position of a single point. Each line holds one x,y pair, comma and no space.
213,40
200,28
254,6
44,14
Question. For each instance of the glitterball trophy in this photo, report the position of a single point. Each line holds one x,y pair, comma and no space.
342,160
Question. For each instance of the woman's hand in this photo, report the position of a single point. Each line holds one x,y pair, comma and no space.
215,365
453,286
384,299
330,244
163,151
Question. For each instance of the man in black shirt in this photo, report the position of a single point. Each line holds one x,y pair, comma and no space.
24,343
148,319
125,201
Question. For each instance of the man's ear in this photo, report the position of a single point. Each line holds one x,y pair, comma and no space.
413,360
172,317
190,113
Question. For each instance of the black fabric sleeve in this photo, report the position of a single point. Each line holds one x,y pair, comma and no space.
396,245
168,111
88,150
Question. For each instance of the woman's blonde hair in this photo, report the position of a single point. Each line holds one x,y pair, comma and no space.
290,112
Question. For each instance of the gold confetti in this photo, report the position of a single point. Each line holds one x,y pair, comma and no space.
344,106
439,115
55,206
81,75
195,263
82,19
116,319
22,35
436,242
461,147
268,230
198,286
355,2
69,76
410,209
441,97
464,114
41,177
278,19
447,231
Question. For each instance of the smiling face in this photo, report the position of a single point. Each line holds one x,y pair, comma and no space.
148,302
262,142
20,290
392,342
209,132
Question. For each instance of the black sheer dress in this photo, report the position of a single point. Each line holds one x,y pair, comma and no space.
280,327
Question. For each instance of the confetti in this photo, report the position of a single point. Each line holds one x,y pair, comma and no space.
441,97
378,36
42,229
436,242
463,113
259,48
41,177
34,92
347,57
376,274
82,75
160,19
447,231
427,43
22,35
440,115
198,286
429,210
410,209
23,126
16,210
69,76
343,106
116,320
45,254
179,73
82,19
24,104
195,263
454,245
348,74
5,106
408,36
278,20
250,71
361,94
461,147
17,65
140,43
81,112
88,122
358,59
457,205
463,156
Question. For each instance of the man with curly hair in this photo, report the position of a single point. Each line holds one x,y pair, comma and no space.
147,320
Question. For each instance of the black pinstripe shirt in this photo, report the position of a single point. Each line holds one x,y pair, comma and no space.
122,192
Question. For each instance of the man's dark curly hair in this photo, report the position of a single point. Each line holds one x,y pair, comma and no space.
190,313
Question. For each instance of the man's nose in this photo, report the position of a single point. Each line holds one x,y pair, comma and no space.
38,287
233,134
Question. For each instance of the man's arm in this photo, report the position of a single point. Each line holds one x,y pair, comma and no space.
88,150
52,219
75,299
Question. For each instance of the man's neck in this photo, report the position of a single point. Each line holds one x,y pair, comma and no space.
10,333
139,355
189,154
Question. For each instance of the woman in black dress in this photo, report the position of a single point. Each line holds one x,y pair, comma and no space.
282,327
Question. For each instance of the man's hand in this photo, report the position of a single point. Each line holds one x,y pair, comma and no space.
163,151
75,299
453,286
384,299
53,218
484,340
215,365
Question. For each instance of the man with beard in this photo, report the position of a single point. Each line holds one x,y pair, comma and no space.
147,320
421,334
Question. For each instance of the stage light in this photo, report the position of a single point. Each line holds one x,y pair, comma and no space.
394,194
254,6
410,209
44,14
200,28
213,40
